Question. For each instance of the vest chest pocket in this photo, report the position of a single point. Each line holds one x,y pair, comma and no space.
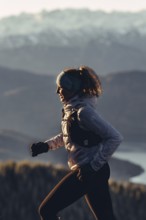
65,125
65,128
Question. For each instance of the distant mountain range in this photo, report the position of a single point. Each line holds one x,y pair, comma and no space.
48,41
30,106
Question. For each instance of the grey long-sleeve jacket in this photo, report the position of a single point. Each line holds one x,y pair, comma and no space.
89,119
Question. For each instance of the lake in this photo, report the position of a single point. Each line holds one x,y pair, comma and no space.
135,153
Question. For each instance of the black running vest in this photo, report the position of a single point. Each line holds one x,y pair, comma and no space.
79,135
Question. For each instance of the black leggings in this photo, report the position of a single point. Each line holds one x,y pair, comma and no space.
69,189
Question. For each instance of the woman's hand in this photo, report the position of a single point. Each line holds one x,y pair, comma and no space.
38,148
85,172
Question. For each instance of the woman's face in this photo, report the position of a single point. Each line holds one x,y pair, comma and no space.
64,94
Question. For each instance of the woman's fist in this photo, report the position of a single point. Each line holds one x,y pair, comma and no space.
38,148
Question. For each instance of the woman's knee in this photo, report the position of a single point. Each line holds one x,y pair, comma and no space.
42,211
46,212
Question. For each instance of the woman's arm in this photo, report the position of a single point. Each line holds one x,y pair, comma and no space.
55,142
111,138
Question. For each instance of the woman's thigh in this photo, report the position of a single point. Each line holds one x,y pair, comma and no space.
99,201
67,191
98,196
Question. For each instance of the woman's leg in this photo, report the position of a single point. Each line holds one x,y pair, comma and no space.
98,197
99,201
67,191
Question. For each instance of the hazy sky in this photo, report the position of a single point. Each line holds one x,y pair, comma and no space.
11,7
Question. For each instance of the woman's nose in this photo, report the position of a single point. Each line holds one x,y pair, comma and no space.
57,90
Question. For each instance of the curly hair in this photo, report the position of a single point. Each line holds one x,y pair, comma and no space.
91,84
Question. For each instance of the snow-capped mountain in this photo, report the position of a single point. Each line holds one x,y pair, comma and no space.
106,41
62,26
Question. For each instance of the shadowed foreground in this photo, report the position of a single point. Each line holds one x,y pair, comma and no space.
25,184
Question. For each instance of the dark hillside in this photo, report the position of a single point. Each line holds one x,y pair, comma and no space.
24,185
124,103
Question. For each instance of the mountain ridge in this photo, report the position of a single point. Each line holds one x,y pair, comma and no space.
64,25
69,18
106,41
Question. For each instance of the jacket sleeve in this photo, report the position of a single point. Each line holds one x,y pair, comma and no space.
111,138
55,142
